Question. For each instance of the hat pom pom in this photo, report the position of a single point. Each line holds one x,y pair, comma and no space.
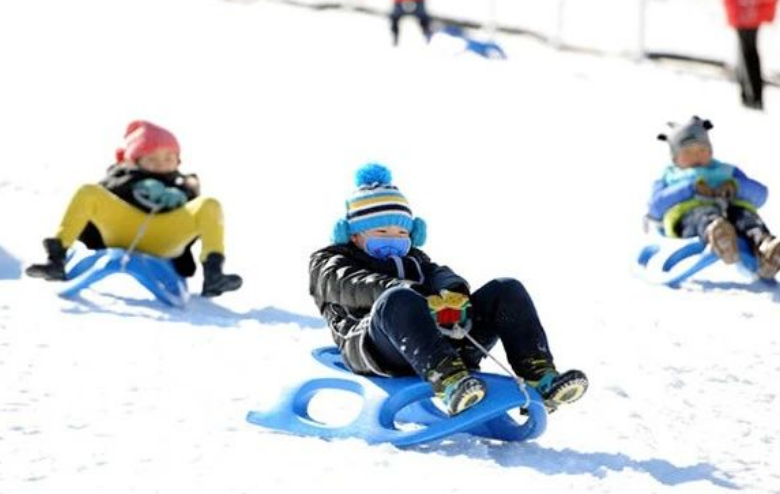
419,232
340,232
373,173
135,125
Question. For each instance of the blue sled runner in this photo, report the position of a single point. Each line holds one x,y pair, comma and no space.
670,261
153,273
390,403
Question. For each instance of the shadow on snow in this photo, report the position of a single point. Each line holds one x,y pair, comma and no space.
199,312
569,462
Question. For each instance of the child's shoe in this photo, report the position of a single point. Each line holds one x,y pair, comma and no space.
455,387
215,282
768,258
722,236
556,388
461,392
54,269
559,389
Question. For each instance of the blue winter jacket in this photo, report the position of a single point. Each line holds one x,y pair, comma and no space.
674,193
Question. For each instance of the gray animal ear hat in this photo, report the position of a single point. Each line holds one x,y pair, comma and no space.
693,131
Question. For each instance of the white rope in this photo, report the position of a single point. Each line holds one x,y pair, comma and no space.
520,381
141,231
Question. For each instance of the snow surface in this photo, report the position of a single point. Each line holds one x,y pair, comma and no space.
536,168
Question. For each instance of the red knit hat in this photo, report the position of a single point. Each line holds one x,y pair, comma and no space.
142,138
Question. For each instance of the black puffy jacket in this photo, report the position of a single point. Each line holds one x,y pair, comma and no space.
120,179
345,282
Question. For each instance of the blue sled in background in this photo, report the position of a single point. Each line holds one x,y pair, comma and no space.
390,402
153,273
485,49
670,261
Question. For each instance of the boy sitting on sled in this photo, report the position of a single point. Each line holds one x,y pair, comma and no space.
145,203
393,312
698,195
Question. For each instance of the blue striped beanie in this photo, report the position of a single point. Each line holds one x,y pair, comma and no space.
377,203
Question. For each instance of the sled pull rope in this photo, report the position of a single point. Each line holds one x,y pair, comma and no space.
139,235
520,381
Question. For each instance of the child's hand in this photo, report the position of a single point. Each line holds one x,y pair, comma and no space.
452,313
156,196
703,189
727,190
172,198
147,192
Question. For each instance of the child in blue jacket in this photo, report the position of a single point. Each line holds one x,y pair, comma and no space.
698,195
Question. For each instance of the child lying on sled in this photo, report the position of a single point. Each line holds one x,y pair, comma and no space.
393,312
146,203
698,195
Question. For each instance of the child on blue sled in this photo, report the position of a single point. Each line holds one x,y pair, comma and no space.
699,196
393,312
144,202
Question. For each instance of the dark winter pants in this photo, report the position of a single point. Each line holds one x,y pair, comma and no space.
746,222
749,69
404,339
416,9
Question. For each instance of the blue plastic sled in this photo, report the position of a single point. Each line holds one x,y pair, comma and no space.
485,49
672,261
404,400
155,274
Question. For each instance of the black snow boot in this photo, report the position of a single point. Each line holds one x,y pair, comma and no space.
215,282
54,269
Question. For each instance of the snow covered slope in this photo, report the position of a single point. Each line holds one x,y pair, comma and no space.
536,168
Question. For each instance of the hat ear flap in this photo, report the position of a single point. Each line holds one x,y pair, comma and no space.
419,232
707,125
120,155
662,137
340,233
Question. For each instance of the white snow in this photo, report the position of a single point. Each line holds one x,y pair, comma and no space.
537,168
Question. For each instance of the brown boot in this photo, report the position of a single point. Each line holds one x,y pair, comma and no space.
768,258
722,236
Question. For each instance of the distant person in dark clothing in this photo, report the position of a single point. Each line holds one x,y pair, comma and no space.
403,8
746,16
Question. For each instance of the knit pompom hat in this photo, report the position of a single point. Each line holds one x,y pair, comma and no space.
377,203
694,131
142,138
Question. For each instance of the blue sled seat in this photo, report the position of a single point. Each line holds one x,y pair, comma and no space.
153,273
388,402
670,261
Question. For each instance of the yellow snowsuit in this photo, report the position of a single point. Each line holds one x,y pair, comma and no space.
166,235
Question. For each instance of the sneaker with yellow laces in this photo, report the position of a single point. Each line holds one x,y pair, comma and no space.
456,388
556,388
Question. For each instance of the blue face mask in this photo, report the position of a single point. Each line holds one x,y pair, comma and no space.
386,247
